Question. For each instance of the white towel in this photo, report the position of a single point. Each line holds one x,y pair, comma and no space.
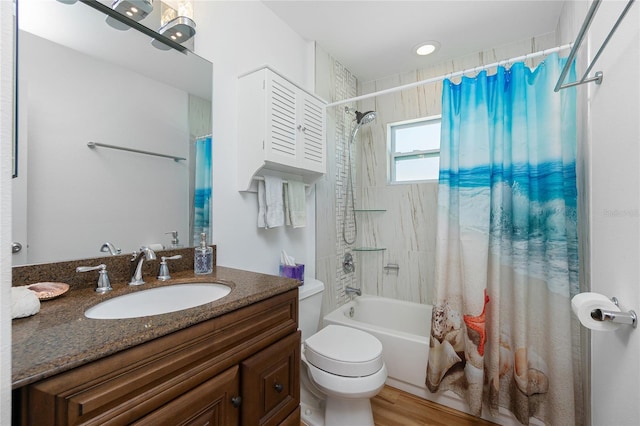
295,204
274,201
24,302
262,206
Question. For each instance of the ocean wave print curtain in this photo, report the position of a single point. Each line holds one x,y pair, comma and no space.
506,251
202,189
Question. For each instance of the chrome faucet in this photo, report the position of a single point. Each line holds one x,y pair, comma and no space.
110,248
145,253
350,291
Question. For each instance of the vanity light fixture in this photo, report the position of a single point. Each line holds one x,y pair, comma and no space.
179,30
426,48
133,9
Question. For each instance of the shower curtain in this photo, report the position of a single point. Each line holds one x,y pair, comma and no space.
202,189
507,256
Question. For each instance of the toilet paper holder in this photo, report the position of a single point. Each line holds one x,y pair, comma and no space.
629,318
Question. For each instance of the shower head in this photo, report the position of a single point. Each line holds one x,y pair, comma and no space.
365,118
361,120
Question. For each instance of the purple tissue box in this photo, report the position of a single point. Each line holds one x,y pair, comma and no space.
296,271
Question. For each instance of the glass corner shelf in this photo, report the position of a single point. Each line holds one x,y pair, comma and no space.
369,249
370,210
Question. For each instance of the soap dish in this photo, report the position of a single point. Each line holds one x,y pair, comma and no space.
48,290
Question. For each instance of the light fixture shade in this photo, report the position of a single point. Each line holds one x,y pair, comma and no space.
68,1
179,30
174,8
133,9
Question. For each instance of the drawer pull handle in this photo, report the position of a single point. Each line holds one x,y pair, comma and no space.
236,400
278,387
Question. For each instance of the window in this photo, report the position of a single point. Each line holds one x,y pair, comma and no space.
414,150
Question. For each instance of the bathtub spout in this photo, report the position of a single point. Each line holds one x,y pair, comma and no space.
352,291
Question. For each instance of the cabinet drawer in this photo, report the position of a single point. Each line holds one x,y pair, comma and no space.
270,383
208,404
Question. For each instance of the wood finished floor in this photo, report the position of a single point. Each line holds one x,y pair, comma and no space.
393,407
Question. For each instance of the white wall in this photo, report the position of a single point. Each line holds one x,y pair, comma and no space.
6,119
239,37
614,117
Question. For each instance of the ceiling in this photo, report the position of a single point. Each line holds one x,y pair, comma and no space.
374,39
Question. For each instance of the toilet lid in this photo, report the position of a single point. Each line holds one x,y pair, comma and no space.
344,351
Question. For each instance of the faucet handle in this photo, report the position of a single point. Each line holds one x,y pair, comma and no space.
163,274
104,285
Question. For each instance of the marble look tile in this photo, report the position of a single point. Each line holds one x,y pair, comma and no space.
326,272
330,198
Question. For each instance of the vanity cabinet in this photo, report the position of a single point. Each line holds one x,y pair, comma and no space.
281,128
239,368
271,383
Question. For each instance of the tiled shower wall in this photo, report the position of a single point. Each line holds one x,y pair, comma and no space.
333,82
404,224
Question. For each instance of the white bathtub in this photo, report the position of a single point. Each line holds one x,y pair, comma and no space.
404,329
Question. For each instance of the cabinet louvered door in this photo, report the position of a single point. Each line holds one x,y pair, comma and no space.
281,145
312,134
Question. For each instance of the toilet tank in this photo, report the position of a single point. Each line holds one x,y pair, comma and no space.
310,295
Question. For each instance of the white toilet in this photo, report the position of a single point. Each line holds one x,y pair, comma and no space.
341,368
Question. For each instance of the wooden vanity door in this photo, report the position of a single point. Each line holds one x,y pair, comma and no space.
271,384
208,404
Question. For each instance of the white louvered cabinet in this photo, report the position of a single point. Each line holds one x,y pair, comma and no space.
280,130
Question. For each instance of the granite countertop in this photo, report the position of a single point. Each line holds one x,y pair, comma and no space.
60,337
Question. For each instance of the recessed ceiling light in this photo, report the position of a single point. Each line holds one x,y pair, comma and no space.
426,48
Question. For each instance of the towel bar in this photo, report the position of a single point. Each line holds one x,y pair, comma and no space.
139,151
284,181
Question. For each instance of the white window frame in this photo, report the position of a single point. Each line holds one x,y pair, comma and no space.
392,155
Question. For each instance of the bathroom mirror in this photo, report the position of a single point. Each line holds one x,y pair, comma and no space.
80,81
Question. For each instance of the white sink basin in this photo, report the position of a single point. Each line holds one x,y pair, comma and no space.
160,300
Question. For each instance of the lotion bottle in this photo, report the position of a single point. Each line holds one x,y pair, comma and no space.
203,257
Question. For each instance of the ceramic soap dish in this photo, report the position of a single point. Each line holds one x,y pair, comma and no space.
48,290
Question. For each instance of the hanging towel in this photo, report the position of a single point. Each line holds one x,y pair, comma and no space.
295,204
262,206
274,201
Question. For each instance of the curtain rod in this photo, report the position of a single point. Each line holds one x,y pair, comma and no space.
453,74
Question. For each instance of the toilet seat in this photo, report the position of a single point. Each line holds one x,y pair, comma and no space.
344,351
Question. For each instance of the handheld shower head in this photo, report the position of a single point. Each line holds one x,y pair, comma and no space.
361,120
361,117
366,117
